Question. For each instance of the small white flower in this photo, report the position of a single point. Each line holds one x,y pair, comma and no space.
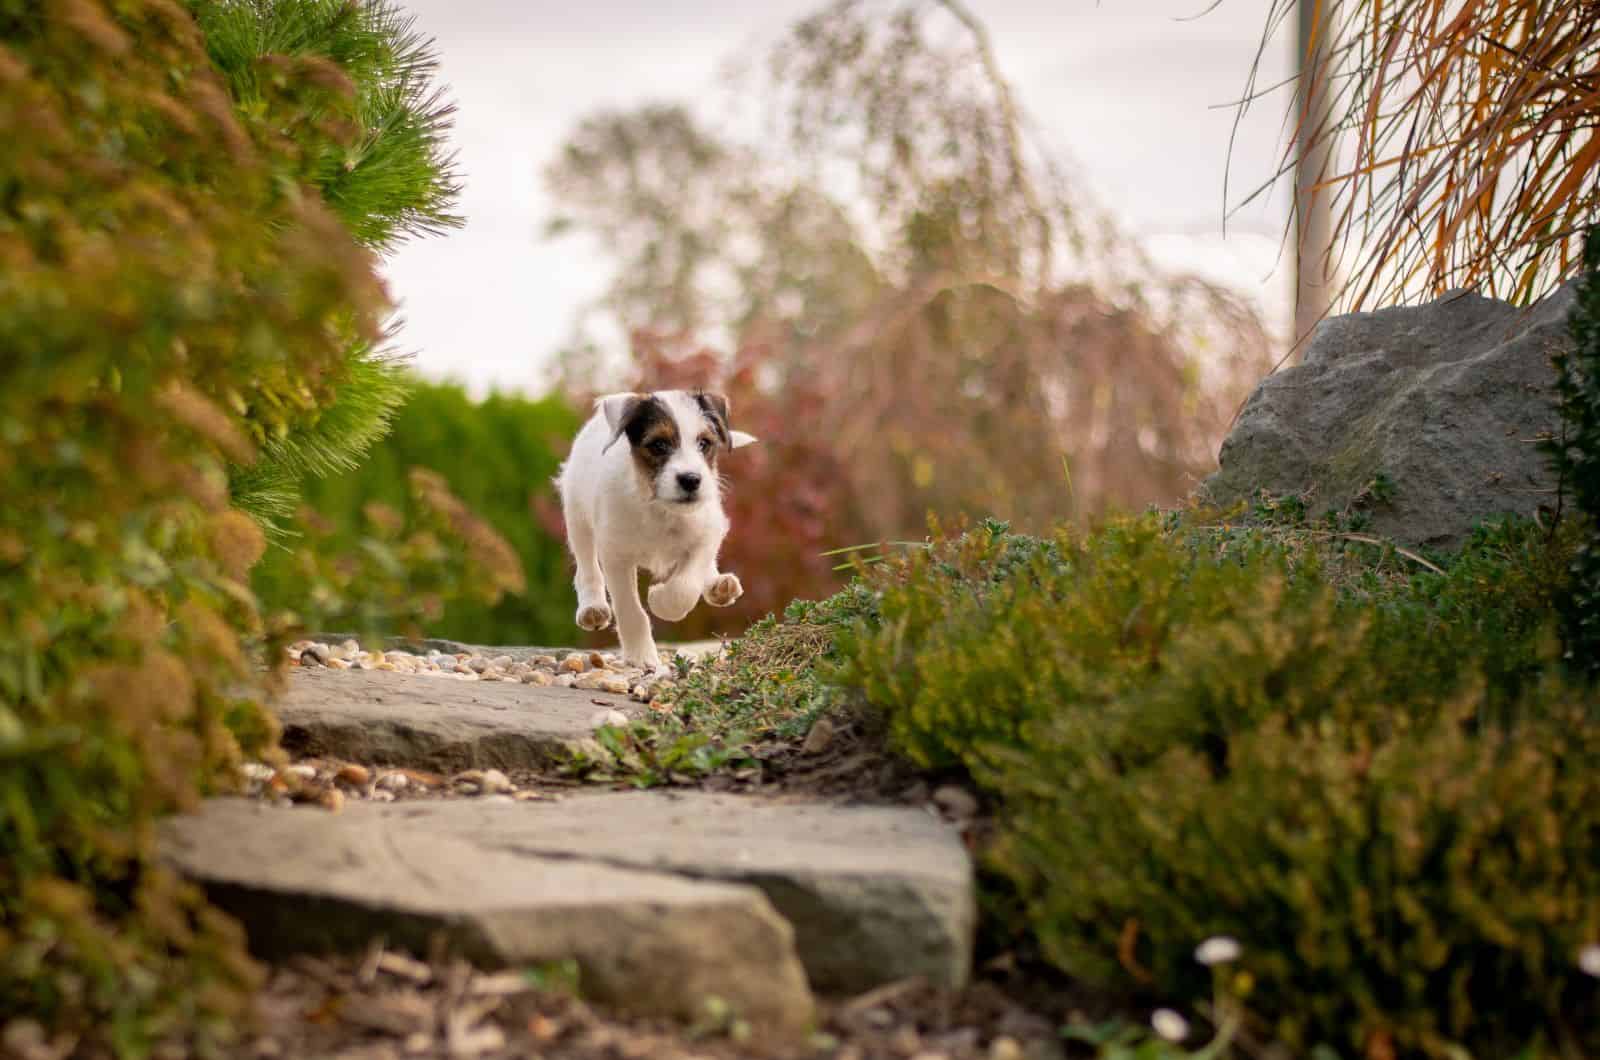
1170,1025
1589,960
1218,949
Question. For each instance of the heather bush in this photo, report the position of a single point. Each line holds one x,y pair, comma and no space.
177,300
1365,770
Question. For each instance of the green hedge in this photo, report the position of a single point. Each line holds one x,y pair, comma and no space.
499,456
175,297
1375,776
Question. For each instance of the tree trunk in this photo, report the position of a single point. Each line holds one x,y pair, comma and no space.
1315,282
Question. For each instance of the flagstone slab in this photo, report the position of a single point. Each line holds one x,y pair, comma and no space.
436,722
664,898
655,943
875,893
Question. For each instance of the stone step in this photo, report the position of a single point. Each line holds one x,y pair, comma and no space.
436,722
664,899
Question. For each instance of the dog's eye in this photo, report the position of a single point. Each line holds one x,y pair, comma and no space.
705,445
661,447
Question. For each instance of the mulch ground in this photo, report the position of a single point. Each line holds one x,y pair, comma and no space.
388,1006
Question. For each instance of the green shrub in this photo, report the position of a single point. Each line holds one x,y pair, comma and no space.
498,457
405,568
1369,777
175,298
1575,455
375,150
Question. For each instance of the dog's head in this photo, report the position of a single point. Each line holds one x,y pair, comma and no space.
676,437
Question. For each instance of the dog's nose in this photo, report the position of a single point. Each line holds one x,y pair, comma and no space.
689,481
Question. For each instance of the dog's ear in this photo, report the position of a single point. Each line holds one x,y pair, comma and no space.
715,408
619,409
741,439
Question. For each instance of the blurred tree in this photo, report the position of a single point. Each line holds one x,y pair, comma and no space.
965,328
1473,154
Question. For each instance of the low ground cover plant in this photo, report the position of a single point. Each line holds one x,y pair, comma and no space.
1383,786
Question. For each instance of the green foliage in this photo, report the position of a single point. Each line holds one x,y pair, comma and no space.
1575,455
1371,778
392,177
375,387
404,569
370,130
173,297
498,457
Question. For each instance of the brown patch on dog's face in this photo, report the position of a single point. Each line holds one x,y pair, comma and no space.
653,435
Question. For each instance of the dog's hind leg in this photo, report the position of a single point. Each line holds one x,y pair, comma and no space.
633,625
590,584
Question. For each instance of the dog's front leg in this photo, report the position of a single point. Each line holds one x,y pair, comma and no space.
674,598
633,625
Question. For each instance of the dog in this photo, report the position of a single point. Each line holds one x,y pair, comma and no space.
640,491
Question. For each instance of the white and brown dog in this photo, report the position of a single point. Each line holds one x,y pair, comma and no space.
654,504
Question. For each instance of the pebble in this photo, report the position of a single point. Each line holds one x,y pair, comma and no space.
502,662
546,661
484,781
1004,1048
602,718
382,796
317,653
331,800
597,660
818,739
478,664
353,774
601,681
393,781
575,663
256,771
338,664
537,677
566,680
303,770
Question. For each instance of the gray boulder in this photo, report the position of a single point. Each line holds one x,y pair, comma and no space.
1443,400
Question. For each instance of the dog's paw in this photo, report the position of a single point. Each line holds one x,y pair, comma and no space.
594,617
724,590
648,661
669,601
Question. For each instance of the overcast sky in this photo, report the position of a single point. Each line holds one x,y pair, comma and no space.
1123,90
